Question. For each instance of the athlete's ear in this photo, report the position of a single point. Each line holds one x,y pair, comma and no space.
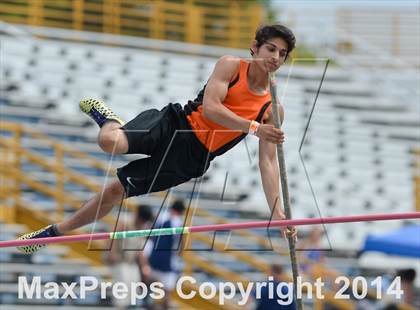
254,47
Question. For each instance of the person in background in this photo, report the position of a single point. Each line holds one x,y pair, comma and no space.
160,260
312,256
407,286
123,256
264,302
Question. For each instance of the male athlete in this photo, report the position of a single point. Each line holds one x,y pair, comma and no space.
181,141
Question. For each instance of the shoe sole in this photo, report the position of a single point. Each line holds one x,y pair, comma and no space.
86,106
31,248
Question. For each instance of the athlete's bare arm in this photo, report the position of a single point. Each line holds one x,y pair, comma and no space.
270,174
269,169
215,93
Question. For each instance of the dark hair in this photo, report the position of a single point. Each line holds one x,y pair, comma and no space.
178,206
144,213
407,274
267,32
276,269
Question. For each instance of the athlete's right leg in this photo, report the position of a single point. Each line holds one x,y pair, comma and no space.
111,138
92,210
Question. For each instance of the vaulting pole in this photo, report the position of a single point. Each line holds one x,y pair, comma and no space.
285,188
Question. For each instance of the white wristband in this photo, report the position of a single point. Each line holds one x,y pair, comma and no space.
253,128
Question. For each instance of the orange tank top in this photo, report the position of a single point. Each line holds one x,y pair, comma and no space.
240,100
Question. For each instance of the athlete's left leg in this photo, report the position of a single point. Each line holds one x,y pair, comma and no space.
94,209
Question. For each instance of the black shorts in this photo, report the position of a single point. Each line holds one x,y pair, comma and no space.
176,155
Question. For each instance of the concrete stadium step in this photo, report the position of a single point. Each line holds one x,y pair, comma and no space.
64,267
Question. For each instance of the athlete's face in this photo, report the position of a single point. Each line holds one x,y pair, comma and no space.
271,55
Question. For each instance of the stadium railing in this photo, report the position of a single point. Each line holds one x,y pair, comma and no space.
221,23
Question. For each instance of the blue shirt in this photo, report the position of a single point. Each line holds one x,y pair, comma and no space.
163,256
266,303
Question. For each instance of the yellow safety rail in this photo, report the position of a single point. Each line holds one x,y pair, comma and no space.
229,23
14,153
